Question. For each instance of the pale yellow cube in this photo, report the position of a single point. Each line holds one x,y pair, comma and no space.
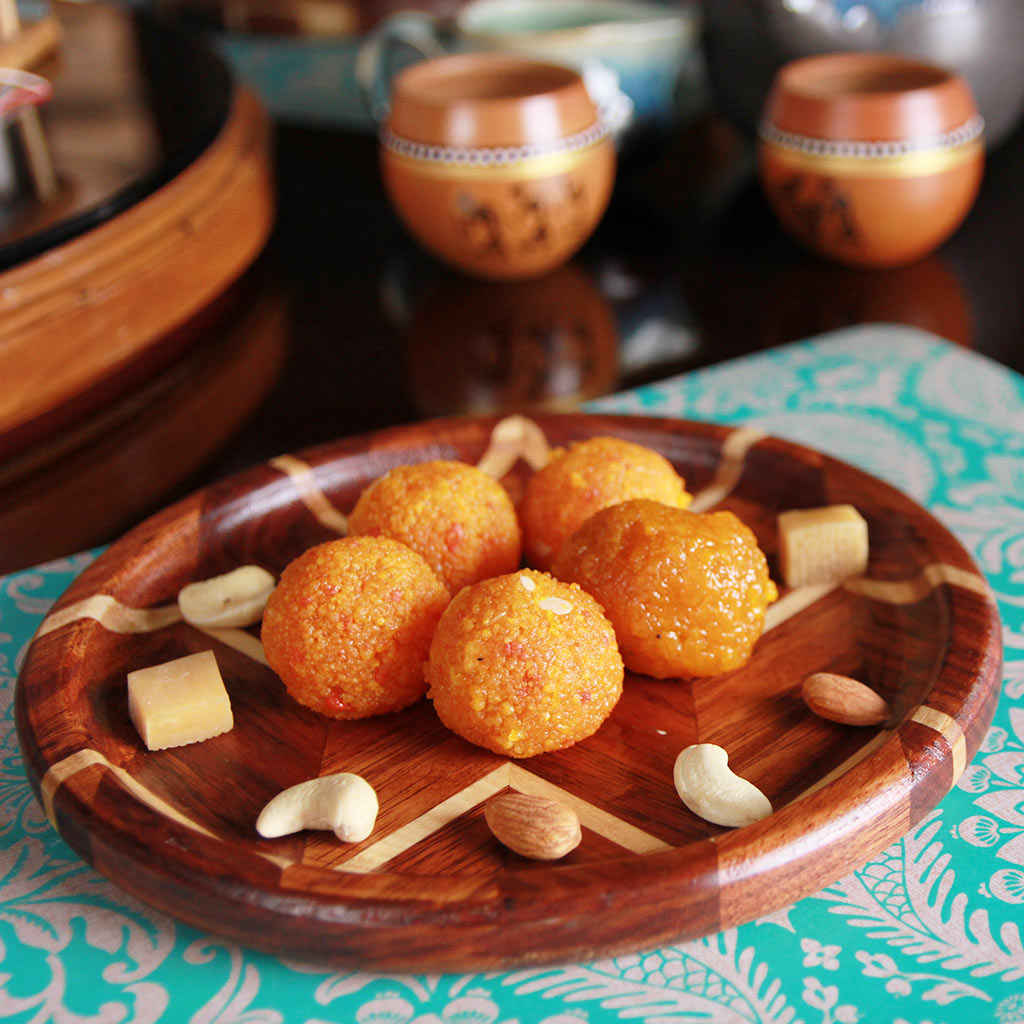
178,702
822,545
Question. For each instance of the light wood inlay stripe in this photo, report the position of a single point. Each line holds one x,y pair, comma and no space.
514,438
120,618
950,731
730,468
888,591
912,591
113,615
71,765
313,497
876,741
57,773
504,776
607,825
795,602
426,824
239,640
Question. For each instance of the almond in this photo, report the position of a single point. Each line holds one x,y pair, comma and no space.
533,826
842,699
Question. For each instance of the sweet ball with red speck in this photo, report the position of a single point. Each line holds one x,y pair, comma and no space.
349,626
522,664
584,478
461,520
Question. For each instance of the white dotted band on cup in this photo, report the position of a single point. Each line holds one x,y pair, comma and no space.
971,130
492,156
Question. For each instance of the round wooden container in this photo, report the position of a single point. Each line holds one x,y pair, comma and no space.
164,198
431,888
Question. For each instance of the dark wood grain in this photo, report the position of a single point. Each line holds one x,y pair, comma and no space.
456,899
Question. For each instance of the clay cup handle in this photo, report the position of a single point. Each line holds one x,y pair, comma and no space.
418,30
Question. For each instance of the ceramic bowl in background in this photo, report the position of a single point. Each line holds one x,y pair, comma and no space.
497,164
747,41
641,59
871,160
653,49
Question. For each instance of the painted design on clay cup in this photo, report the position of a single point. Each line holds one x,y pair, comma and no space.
872,160
499,165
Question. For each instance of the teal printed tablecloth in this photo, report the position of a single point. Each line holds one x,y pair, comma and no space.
926,933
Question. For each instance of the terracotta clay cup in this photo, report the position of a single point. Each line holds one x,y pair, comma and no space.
498,164
872,160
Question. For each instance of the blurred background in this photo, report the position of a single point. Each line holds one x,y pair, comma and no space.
199,268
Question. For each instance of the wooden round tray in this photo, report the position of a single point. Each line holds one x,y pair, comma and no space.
430,888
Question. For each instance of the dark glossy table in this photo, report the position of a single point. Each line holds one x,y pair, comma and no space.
344,325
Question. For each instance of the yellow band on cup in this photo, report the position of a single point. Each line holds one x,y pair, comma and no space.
535,167
907,165
875,159
497,162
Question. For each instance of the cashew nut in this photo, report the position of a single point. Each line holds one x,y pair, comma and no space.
222,602
707,785
344,803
